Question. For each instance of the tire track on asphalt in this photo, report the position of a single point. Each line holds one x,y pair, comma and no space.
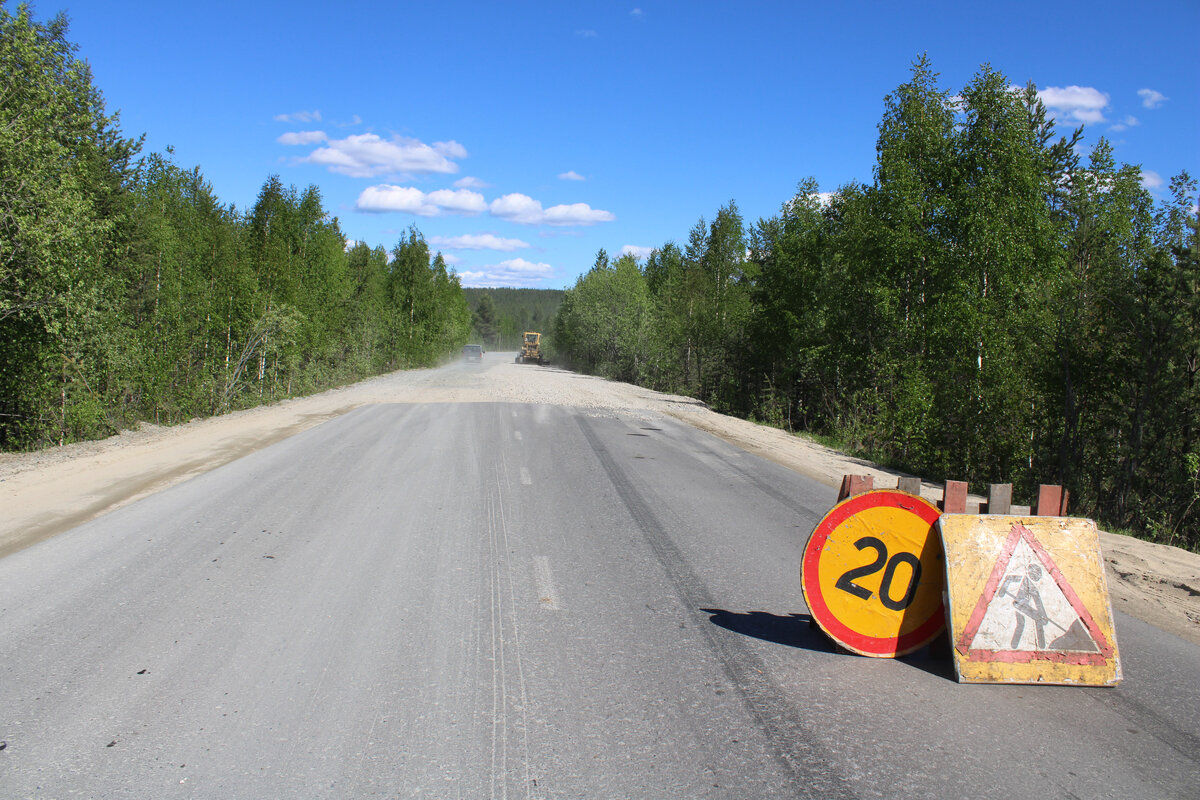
793,743
1183,742
784,499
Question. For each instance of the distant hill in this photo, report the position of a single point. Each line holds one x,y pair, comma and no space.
514,311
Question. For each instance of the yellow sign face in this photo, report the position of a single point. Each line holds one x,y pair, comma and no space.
872,574
1028,601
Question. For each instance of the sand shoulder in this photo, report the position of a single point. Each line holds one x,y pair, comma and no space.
45,493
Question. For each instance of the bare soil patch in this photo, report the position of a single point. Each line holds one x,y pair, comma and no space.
45,493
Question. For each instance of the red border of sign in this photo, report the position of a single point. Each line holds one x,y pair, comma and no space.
876,645
963,646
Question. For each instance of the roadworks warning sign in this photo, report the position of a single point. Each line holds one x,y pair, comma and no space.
1027,601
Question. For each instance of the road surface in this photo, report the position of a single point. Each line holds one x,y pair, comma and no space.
510,600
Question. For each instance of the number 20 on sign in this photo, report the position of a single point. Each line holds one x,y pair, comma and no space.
873,574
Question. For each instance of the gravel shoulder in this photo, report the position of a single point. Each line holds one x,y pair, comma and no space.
48,492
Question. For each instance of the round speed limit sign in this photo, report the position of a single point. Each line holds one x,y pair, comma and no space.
873,575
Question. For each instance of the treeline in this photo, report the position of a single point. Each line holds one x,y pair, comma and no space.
129,292
991,307
500,316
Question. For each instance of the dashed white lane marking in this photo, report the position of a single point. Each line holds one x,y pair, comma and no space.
547,597
526,478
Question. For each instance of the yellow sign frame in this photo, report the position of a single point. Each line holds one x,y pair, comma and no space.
1027,601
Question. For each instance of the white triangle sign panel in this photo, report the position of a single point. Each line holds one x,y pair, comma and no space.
1027,600
1029,612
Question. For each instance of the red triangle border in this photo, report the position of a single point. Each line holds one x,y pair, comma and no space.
963,645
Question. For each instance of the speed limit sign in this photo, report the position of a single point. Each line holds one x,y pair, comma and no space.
873,575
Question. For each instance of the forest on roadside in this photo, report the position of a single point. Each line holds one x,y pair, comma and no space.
129,292
992,307
500,316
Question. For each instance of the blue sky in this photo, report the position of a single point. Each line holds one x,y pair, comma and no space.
521,137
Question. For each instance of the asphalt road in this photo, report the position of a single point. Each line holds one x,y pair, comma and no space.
512,600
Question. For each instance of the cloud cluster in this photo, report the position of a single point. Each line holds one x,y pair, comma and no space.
302,137
385,197
1129,122
478,241
1151,98
1152,180
518,208
515,272
1086,104
467,182
524,209
299,116
1076,103
367,155
638,252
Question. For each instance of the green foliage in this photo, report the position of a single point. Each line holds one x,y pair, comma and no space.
603,321
63,212
988,308
129,292
511,312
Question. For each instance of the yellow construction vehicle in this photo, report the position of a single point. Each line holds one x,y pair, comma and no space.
531,349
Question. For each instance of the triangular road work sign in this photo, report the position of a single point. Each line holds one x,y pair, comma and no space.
1028,610
1027,600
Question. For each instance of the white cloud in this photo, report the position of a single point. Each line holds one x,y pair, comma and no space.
458,201
470,183
385,197
299,116
571,175
366,155
515,272
1151,98
825,198
638,13
1151,179
302,137
450,149
1129,122
586,34
640,253
517,208
451,259
1075,103
576,214
478,241
527,211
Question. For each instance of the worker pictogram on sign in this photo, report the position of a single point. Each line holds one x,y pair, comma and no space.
1028,602
872,574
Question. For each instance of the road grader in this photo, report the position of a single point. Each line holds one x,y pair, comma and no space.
531,349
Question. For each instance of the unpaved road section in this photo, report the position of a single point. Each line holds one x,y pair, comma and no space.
45,493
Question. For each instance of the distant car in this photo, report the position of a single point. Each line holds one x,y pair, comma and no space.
472,352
